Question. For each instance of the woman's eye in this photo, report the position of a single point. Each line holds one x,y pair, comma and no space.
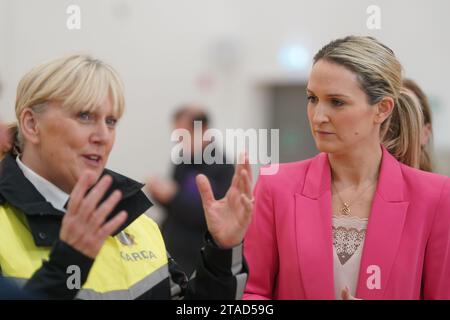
337,103
111,122
312,99
84,116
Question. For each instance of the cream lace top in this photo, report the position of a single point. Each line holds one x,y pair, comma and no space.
348,241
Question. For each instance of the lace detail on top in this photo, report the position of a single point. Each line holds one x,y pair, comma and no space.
348,234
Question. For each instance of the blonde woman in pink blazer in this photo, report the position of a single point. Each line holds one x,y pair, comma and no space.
354,222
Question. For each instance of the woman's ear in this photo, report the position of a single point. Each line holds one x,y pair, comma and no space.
384,109
29,126
427,132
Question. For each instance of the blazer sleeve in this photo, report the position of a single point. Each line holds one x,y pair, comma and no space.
436,277
260,245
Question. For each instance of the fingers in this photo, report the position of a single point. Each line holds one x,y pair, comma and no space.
233,196
346,295
84,226
204,187
241,183
245,184
99,217
112,225
79,191
243,165
247,203
152,184
247,167
235,180
94,196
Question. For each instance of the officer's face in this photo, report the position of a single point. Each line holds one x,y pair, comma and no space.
69,143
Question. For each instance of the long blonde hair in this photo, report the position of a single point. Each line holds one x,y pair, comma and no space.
380,75
78,82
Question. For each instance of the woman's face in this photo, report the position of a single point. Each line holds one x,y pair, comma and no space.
70,142
339,114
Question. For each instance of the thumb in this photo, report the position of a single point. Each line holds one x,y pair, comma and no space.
345,294
204,187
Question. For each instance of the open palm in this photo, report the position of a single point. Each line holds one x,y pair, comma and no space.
228,218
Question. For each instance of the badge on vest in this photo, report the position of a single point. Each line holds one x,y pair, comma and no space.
126,239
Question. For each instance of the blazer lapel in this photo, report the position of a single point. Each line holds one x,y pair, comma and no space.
384,231
314,232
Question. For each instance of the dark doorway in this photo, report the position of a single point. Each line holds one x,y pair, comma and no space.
289,114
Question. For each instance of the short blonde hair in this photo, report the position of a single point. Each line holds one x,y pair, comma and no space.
78,82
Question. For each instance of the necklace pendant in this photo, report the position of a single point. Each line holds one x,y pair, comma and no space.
345,210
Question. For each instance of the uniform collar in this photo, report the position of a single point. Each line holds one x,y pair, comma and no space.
48,190
43,218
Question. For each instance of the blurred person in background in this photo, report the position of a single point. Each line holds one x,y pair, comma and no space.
185,225
5,138
397,132
426,141
69,228
7,290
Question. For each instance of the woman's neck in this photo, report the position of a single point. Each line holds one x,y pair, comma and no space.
31,161
356,167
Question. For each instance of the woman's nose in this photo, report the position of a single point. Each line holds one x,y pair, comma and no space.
320,115
101,133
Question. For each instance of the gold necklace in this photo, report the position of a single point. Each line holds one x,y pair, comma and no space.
345,210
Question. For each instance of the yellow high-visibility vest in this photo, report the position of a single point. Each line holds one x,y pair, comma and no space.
127,266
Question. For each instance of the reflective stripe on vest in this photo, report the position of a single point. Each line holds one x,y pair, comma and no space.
126,267
132,293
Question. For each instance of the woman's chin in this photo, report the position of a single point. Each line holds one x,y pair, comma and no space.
96,172
327,147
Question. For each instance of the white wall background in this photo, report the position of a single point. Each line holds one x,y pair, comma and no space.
166,50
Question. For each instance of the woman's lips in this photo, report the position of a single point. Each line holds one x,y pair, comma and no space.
92,160
324,133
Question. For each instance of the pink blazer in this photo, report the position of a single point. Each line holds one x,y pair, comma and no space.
289,247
